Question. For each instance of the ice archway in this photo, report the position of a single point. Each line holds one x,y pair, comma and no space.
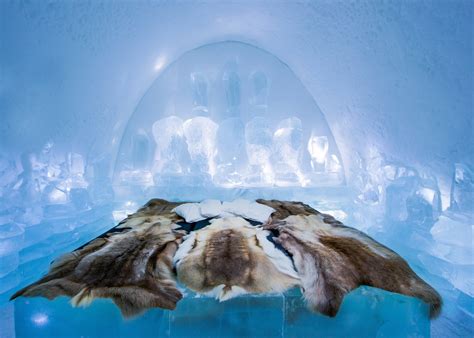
228,114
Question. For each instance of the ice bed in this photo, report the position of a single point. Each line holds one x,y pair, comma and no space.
355,109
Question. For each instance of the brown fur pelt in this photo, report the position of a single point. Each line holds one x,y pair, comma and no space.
333,259
131,264
231,257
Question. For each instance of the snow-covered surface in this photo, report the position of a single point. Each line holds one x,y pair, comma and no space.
363,110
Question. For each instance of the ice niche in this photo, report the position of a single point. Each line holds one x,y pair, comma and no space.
227,115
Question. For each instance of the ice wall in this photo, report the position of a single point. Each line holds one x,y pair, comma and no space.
389,76
393,82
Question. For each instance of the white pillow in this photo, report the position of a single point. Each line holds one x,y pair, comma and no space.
195,212
190,212
210,208
248,209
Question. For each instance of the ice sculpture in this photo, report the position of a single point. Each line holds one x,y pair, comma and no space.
288,146
214,115
318,148
200,89
231,153
259,145
200,133
231,82
260,89
100,187
462,189
171,154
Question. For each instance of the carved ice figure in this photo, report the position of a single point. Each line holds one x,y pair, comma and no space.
8,176
31,181
136,168
259,146
288,142
141,150
413,197
200,85
231,154
259,87
200,133
171,154
76,166
101,186
231,82
333,164
462,189
318,147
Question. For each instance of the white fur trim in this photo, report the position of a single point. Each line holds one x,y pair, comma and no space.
281,261
184,248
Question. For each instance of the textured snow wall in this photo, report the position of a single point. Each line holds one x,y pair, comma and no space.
105,104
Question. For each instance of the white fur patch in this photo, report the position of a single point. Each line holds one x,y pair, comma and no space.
83,299
222,295
184,248
281,261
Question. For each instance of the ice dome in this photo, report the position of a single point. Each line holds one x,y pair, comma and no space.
362,110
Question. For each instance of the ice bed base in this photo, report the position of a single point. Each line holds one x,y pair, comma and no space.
366,312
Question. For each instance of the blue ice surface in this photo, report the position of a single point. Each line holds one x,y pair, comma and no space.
365,312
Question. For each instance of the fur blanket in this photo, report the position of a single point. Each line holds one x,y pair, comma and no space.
138,262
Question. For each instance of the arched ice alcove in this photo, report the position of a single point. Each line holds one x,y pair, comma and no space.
228,115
